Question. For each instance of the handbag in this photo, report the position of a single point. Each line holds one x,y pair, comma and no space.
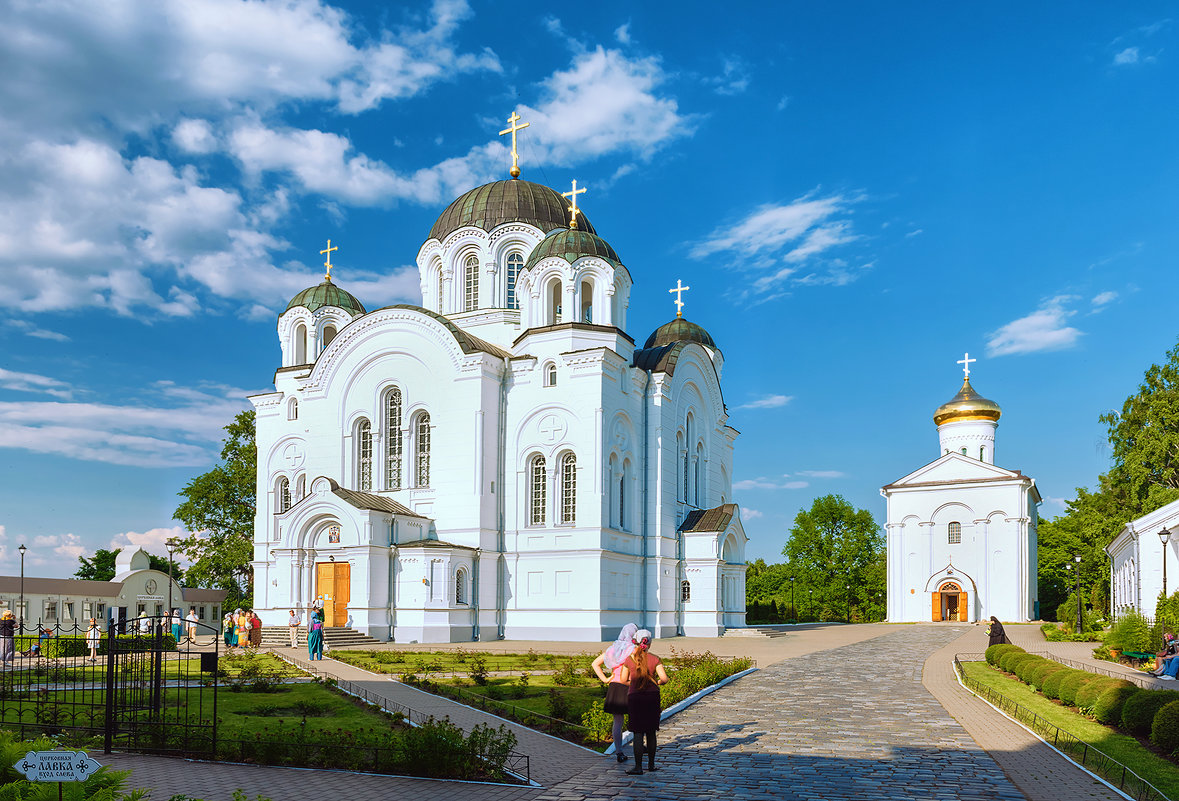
616,698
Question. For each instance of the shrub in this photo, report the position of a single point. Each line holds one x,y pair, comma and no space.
1012,662
1042,672
1108,706
1164,731
567,676
1051,686
1087,696
598,721
558,705
1026,667
1130,633
1072,684
1140,708
996,651
478,670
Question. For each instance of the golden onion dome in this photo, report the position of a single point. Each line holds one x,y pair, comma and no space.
967,405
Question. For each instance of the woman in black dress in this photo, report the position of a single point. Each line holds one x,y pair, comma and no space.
645,673
995,633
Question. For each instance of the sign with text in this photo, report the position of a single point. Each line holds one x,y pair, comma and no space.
57,766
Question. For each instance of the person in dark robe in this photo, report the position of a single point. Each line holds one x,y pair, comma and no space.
995,633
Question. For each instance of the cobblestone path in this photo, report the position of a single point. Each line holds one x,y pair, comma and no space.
847,723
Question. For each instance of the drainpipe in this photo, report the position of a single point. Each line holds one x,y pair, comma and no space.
644,484
475,596
392,582
500,490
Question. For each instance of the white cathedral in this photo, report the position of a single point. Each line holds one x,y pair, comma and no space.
961,531
501,461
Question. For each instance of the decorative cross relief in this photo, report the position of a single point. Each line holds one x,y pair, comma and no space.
294,455
679,291
965,361
552,429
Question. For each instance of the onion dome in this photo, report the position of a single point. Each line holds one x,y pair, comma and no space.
967,405
679,330
326,294
507,201
571,244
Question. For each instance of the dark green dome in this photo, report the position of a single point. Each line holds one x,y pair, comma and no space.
507,201
679,330
326,294
571,245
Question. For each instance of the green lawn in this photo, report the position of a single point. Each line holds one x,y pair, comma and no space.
534,696
1157,770
458,661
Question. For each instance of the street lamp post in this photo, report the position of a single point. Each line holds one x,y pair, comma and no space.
1080,622
811,611
879,599
849,603
22,550
1165,536
172,543
793,610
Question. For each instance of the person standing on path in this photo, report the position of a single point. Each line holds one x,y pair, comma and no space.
995,633
293,628
176,625
93,635
243,629
315,635
193,619
645,673
255,630
7,638
616,689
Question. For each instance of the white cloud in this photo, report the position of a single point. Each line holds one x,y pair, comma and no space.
31,330
1127,56
734,77
622,33
154,541
783,102
822,473
751,514
1103,299
30,382
769,484
194,136
1043,330
68,546
768,402
916,232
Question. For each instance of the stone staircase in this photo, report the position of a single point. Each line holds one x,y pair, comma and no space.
758,631
335,637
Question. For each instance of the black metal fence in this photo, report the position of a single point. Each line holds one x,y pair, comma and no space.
1078,750
134,686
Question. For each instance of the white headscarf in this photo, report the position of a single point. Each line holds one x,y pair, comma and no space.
622,648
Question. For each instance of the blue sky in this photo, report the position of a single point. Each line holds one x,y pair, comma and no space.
856,193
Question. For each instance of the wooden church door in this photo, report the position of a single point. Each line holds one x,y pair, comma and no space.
333,583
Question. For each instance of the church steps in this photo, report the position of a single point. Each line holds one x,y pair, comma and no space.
335,637
757,631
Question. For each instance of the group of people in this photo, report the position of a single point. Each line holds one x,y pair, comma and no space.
179,626
243,629
632,689
1166,666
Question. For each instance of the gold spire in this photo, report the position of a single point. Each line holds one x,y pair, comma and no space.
327,276
573,203
512,128
679,291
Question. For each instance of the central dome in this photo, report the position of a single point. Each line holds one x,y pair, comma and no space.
507,201
679,330
571,245
326,294
967,405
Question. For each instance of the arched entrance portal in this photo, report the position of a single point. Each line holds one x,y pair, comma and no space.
949,603
333,586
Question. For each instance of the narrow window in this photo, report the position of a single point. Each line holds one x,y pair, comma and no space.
440,309
612,503
284,495
554,303
515,265
460,587
293,409
329,333
393,441
587,302
698,484
300,344
423,450
982,454
364,455
955,533
623,482
300,487
685,591
471,284
550,375
963,451
537,491
569,488
679,448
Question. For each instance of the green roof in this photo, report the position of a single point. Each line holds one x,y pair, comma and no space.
679,330
507,201
326,294
571,245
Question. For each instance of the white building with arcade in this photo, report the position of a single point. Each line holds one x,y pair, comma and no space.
961,531
502,461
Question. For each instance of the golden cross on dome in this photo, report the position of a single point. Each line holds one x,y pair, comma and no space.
965,362
573,203
328,264
679,291
512,128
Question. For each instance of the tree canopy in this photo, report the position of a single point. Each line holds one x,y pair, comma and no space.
219,509
101,566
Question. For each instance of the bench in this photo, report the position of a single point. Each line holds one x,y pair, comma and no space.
1140,656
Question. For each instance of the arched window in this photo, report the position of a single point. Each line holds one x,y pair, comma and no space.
955,533
460,587
697,481
284,494
681,487
364,455
550,374
963,451
329,333
471,284
439,290
393,443
422,450
982,454
293,409
569,488
554,315
300,488
587,302
537,497
687,457
515,265
300,342
613,491
685,591
623,481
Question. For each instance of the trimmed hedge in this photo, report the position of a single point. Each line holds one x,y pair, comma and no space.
1108,707
1164,732
1141,707
1009,661
1072,684
1052,684
996,651
1026,667
1087,695
68,645
1041,674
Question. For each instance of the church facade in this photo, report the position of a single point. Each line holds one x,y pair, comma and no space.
502,461
961,531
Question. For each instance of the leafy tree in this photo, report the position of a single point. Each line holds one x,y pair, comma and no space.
833,546
101,566
219,508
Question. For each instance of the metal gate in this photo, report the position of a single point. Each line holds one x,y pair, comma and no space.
142,690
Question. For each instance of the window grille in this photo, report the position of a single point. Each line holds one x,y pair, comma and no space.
515,265
364,455
955,533
284,495
51,610
569,488
460,587
622,500
471,284
539,477
423,450
685,591
393,439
